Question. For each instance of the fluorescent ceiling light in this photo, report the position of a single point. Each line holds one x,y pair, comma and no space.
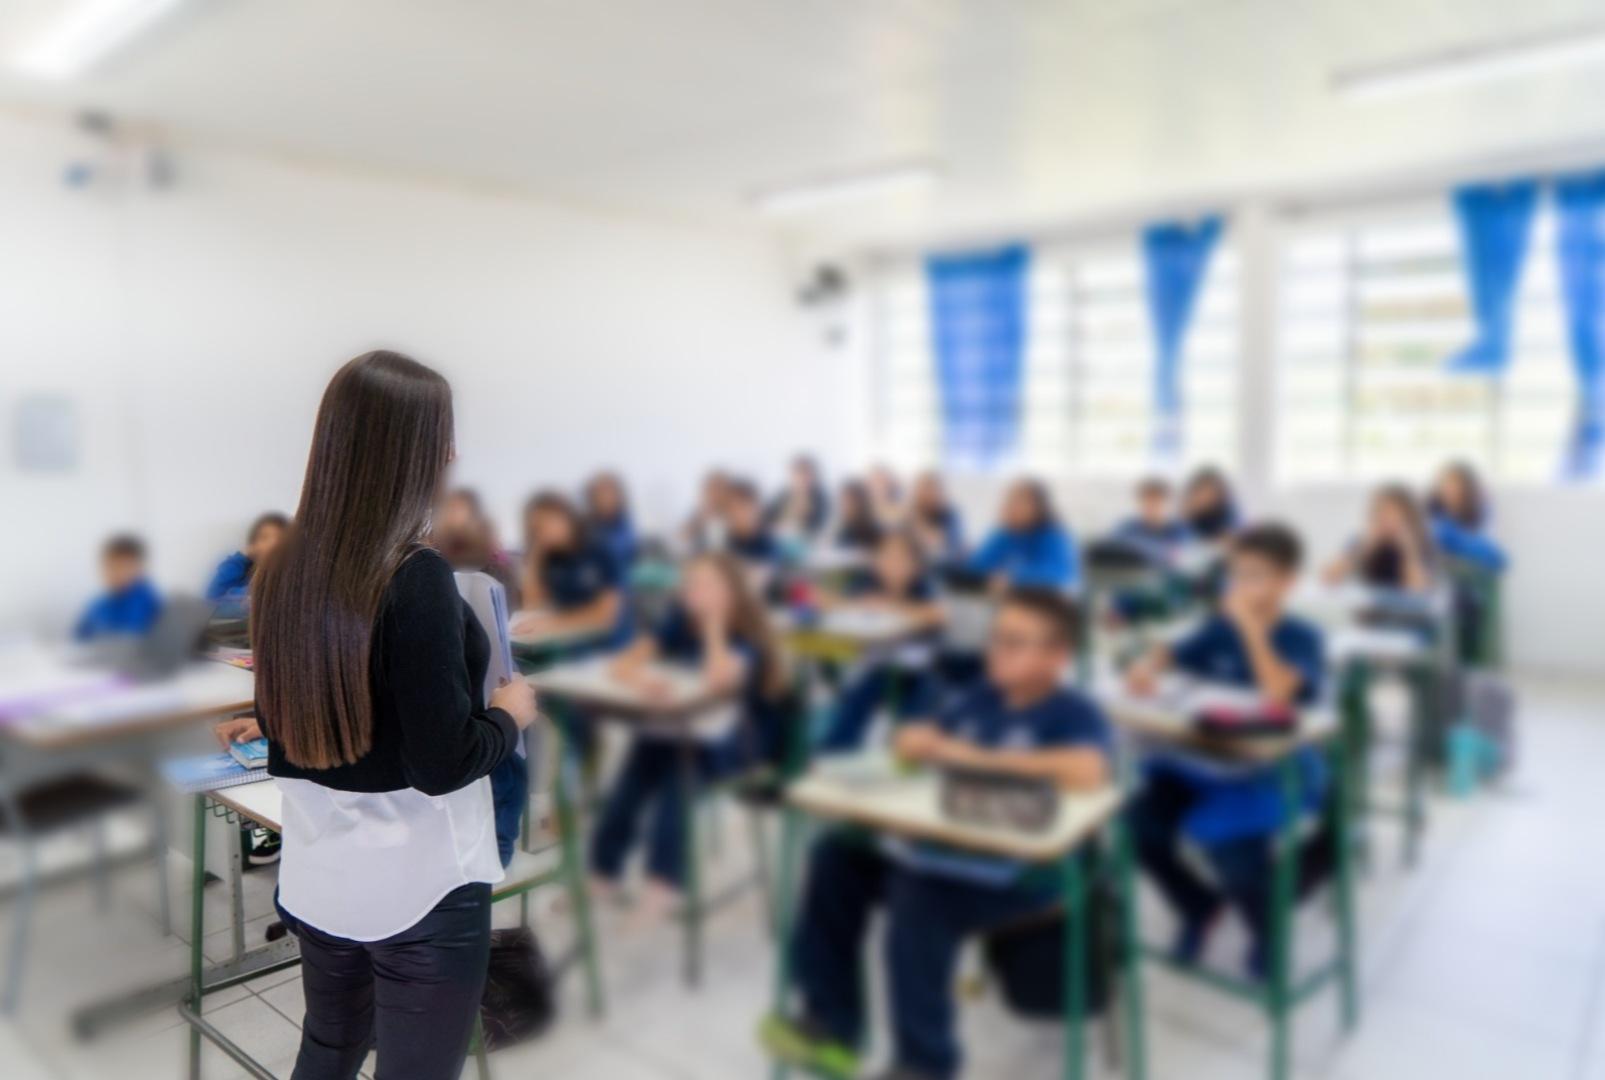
86,34
846,187
1482,62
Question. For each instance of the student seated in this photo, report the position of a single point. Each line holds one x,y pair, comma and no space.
464,534
1458,508
231,583
1396,551
1029,546
1155,529
801,511
899,580
746,536
704,529
717,625
1021,720
607,517
936,521
885,495
1231,816
857,527
130,603
1208,507
571,583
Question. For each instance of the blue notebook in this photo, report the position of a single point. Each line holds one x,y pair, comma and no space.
253,754
212,772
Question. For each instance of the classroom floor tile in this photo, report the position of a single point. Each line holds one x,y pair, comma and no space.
1487,960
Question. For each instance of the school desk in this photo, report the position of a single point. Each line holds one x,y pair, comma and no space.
262,804
908,806
1165,720
686,709
848,632
106,721
549,643
1359,655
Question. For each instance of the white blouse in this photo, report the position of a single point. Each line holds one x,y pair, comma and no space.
367,865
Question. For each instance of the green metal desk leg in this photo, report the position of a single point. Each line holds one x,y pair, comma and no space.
1422,692
1130,952
785,884
1279,996
476,1046
1348,936
1075,967
1356,734
690,868
573,871
197,929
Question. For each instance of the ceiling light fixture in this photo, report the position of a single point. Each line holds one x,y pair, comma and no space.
86,34
1482,62
846,187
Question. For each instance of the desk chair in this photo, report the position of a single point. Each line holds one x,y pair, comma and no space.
81,801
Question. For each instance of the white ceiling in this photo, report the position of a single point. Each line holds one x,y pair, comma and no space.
1041,111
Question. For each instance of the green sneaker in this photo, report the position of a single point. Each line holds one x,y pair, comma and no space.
802,1045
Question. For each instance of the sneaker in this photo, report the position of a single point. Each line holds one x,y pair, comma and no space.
1193,935
262,848
805,1045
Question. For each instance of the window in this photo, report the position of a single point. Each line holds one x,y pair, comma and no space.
1089,361
1372,306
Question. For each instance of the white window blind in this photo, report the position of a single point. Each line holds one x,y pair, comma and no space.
1087,402
1372,307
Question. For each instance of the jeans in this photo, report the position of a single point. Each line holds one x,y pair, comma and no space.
414,995
863,697
1241,867
653,781
928,917
509,793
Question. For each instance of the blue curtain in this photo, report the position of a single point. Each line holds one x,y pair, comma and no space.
1580,246
1495,222
978,324
1177,257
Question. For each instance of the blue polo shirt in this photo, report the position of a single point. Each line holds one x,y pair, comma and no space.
981,716
678,642
867,583
1468,544
759,547
1248,803
1157,540
134,610
1044,556
617,535
575,579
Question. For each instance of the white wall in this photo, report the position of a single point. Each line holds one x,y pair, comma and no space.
197,327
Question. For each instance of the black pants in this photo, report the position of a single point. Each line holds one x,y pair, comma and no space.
414,995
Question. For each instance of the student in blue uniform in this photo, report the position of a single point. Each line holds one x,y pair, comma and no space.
1395,552
1208,506
900,581
802,510
885,495
230,586
1458,508
857,527
746,535
935,520
1030,546
1022,720
571,582
704,530
1232,817
130,603
1155,529
607,517
718,626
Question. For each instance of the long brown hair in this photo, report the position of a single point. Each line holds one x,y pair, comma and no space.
380,447
749,622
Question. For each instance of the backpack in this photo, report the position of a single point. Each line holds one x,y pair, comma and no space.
520,1001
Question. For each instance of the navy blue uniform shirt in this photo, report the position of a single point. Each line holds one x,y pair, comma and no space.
1215,651
574,579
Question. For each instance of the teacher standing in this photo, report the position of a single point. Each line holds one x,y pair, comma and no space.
369,677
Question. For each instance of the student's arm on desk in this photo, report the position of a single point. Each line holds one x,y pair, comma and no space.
599,614
1073,768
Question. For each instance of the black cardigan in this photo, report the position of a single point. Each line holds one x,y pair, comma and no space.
431,729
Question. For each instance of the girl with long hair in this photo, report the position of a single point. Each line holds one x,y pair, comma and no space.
370,674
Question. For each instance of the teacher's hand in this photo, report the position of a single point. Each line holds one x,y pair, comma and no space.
516,699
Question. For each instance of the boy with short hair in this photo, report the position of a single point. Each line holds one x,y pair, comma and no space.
1023,720
130,604
1155,528
1232,816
